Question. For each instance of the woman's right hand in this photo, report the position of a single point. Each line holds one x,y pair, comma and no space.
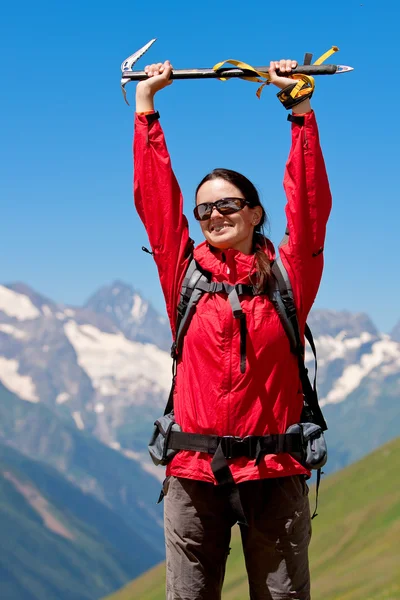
158,79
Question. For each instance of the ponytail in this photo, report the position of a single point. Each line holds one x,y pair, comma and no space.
263,264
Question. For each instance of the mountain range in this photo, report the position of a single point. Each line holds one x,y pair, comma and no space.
81,386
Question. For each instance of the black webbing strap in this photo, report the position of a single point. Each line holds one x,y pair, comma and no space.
152,117
223,476
307,58
170,404
311,395
243,339
235,447
319,473
227,447
217,287
298,119
310,340
310,391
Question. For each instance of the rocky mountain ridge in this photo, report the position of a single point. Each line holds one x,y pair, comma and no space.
106,364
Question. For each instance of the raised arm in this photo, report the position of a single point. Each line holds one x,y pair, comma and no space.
308,203
157,195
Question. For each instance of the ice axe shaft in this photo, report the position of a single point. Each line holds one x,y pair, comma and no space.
232,72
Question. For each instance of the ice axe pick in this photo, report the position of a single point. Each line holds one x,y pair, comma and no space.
224,72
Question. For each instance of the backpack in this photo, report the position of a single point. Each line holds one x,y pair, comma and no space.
304,440
197,282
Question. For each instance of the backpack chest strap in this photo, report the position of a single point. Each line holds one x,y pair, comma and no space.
217,287
233,292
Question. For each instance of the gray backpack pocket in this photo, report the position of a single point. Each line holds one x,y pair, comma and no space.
314,454
158,445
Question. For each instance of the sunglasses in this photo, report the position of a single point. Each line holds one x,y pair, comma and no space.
225,206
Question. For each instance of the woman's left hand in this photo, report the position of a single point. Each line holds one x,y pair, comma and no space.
284,66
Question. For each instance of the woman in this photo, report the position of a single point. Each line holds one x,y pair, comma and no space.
218,390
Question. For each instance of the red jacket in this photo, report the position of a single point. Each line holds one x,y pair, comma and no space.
212,396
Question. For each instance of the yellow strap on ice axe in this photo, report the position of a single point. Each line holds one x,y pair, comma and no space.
242,65
326,55
264,79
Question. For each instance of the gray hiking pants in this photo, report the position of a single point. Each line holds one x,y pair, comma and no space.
198,521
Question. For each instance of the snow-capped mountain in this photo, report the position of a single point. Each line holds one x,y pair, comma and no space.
133,315
106,365
350,351
81,361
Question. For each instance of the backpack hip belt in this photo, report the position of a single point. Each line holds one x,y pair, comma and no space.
251,446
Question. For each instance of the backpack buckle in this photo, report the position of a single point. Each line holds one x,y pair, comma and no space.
174,350
234,446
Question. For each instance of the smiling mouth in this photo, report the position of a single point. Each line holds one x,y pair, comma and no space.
219,228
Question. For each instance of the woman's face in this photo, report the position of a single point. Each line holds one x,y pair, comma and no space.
228,231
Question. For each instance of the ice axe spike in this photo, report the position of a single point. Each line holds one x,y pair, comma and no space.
223,72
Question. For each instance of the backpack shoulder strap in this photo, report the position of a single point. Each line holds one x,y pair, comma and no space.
281,295
190,294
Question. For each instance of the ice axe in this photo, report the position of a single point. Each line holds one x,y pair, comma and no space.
222,72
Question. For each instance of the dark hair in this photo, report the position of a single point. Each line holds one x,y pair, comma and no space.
249,192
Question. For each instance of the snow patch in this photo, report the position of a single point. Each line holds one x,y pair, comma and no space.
17,305
139,308
60,316
13,331
115,445
69,312
117,365
63,397
21,385
383,353
331,348
78,420
99,408
46,310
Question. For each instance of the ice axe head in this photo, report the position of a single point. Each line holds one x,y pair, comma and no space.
128,63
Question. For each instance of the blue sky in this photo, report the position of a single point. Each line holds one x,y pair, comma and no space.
68,224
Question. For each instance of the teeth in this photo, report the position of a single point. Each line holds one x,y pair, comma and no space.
219,228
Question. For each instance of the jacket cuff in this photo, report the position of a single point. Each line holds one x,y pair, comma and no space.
301,118
147,118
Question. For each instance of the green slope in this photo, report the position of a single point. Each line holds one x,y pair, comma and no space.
113,479
355,551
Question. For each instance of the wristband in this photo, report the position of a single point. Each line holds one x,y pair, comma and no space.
288,101
302,89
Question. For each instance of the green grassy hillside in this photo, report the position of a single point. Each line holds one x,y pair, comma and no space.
355,551
56,542
116,481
